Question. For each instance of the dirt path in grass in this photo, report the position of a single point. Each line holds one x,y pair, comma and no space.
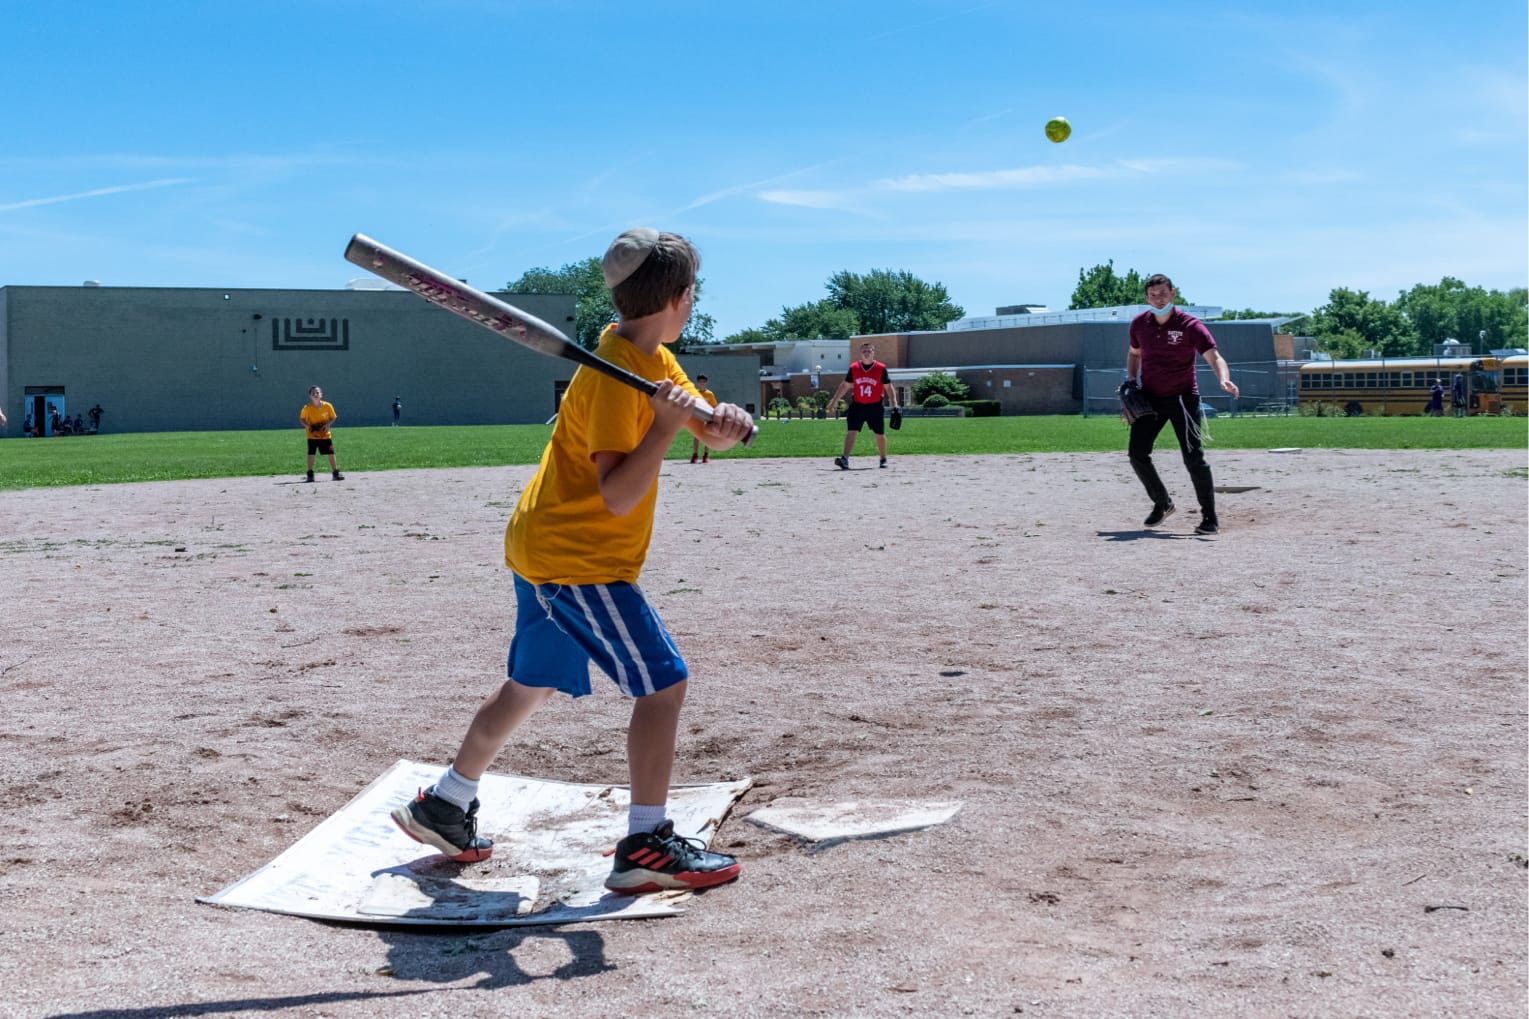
1278,772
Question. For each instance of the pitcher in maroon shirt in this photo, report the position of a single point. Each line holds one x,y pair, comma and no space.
1161,357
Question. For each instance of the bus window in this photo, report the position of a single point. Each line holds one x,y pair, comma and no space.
1483,381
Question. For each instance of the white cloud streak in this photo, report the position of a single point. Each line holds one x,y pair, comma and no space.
149,185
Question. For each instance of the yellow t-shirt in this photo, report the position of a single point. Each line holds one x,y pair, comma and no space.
317,419
708,396
561,531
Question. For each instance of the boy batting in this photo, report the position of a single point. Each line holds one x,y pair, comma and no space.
576,543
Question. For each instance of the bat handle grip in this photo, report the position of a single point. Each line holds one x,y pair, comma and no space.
701,412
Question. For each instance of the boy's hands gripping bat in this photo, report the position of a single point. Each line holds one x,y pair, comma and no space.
491,313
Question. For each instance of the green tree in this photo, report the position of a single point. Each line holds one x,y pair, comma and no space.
809,321
1352,323
887,301
1452,310
942,384
1102,287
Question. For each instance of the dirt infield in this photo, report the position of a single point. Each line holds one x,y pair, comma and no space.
1281,772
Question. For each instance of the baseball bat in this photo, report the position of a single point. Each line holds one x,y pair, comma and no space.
491,313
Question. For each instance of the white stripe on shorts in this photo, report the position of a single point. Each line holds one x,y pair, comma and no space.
623,679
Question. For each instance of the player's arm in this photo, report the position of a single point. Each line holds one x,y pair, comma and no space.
626,477
833,401
1133,363
886,382
1221,368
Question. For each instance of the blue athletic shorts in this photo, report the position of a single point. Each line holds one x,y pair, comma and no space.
561,628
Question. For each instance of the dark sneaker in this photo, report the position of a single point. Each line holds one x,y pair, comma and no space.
309,477
705,459
1208,526
1159,514
841,462
883,461
444,825
652,861
338,476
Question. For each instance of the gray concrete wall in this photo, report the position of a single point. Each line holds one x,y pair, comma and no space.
172,359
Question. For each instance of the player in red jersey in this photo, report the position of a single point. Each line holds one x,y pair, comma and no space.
868,381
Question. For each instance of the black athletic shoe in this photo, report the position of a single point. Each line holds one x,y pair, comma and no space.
652,861
841,462
1208,526
309,477
338,476
883,461
1159,514
444,825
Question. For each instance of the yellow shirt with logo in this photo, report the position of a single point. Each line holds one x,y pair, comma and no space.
317,419
561,531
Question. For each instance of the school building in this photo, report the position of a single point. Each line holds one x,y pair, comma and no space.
1066,362
201,359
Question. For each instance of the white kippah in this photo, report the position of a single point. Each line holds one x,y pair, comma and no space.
626,253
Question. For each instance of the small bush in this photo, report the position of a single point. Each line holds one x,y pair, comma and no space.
935,400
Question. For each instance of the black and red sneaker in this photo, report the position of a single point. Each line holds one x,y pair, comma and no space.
442,824
653,861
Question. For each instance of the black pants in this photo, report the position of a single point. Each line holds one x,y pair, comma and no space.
1183,412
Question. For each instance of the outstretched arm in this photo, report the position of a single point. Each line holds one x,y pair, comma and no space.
1222,369
838,394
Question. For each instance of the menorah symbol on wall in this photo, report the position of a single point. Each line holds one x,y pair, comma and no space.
310,334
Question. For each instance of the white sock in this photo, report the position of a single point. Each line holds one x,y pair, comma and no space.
641,817
453,788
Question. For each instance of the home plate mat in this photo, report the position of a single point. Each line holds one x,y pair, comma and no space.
547,867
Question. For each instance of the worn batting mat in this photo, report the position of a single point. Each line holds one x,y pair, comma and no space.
547,867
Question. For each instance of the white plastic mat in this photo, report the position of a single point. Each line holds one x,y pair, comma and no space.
547,867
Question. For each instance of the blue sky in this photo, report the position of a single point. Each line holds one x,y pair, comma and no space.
1261,154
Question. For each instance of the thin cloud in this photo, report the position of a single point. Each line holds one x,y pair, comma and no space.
990,180
149,185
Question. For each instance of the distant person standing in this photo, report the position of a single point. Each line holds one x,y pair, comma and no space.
95,417
1436,400
867,382
711,399
316,416
1457,396
1161,361
397,410
2,417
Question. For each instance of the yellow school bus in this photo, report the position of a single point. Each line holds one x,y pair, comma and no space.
1515,383
1404,385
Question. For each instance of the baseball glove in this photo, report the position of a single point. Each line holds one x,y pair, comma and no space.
1134,405
896,419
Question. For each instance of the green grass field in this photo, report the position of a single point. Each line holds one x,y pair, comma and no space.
164,456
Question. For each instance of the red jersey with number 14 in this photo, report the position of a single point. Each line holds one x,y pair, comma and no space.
869,383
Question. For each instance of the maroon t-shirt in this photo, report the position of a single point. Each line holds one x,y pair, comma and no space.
1168,351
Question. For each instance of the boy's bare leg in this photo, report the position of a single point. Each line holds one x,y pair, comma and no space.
492,726
881,446
650,742
849,443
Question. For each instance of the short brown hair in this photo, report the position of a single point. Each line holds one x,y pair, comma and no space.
1157,279
669,268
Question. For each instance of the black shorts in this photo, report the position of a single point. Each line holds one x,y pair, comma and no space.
325,446
862,414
